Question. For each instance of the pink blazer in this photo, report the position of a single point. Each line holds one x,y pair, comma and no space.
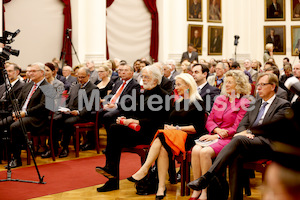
227,115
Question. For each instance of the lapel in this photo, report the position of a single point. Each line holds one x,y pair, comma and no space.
254,113
116,86
271,109
128,87
203,90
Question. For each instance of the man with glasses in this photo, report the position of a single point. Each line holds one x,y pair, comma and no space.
247,145
32,112
66,118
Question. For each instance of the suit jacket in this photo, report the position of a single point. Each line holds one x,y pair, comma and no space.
72,100
272,10
71,79
253,74
64,80
16,89
128,90
94,77
167,85
193,57
275,112
36,109
175,73
210,91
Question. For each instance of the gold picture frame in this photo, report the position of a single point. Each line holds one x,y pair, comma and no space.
214,11
276,36
295,10
295,40
195,36
194,10
215,40
275,13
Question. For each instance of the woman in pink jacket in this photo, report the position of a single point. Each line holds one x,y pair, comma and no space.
227,112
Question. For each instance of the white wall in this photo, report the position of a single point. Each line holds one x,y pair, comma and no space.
41,25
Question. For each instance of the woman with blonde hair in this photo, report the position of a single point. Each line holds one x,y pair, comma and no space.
268,52
186,123
227,112
105,85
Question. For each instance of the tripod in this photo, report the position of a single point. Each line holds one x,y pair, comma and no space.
66,39
16,109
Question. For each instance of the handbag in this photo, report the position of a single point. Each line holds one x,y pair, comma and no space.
148,185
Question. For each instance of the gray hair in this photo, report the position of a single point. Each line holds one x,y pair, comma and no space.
223,65
68,68
86,69
40,65
155,72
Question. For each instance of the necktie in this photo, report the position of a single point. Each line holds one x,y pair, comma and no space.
260,114
114,99
30,95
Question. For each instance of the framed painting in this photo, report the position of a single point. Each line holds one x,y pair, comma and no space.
276,36
194,10
274,10
215,40
195,33
295,10
214,11
295,32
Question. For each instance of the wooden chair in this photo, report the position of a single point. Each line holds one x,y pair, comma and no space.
85,127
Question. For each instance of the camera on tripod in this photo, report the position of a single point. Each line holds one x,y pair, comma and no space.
8,38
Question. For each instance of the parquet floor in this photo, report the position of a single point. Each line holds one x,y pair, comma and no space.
127,190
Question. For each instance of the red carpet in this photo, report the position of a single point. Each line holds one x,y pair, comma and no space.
62,176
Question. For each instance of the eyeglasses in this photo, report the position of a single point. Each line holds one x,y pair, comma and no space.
263,84
33,71
81,77
146,77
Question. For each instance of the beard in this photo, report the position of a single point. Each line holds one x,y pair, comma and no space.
149,86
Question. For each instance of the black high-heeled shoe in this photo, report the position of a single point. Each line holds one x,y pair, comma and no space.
159,197
131,179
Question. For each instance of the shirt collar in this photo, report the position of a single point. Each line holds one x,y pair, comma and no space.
270,101
202,85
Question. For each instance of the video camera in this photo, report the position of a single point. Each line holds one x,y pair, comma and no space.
8,39
236,40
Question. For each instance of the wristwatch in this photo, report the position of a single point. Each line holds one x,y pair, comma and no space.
218,136
248,131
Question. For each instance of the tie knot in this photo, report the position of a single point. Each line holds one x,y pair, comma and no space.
264,104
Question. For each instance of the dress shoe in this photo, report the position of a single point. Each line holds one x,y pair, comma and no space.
48,154
201,182
131,179
178,176
159,197
105,172
104,151
112,184
87,146
14,163
64,153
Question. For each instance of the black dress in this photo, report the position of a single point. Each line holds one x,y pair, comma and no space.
189,114
103,91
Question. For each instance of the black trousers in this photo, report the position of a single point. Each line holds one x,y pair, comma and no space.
120,136
239,150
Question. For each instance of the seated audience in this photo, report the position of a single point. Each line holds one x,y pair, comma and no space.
186,123
288,72
49,72
206,91
32,111
174,72
67,73
186,67
268,53
60,77
217,79
250,70
165,84
121,135
221,124
237,66
65,120
246,145
94,77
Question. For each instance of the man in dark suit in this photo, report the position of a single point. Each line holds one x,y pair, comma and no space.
32,112
120,135
216,42
67,119
67,73
206,91
190,54
17,85
245,145
118,98
275,40
165,84
274,10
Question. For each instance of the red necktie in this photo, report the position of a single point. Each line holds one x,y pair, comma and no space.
31,93
114,99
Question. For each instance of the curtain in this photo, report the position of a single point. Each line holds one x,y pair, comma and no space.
151,5
108,3
3,10
66,49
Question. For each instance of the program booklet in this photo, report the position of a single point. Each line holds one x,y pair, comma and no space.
205,143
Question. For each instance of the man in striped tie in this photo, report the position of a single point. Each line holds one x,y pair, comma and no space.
32,112
247,145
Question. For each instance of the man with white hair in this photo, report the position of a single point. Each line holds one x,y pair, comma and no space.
174,73
67,71
32,111
248,67
94,74
218,79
